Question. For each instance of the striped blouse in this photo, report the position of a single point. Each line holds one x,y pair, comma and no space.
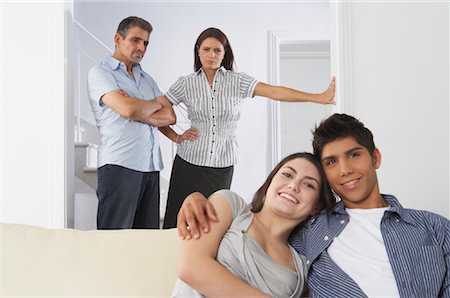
214,112
417,243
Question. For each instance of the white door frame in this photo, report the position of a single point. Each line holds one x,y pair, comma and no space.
276,39
340,37
341,46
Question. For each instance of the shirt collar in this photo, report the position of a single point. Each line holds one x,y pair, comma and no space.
221,69
394,207
114,64
397,208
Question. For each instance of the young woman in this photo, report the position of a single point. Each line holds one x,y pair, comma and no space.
252,241
213,94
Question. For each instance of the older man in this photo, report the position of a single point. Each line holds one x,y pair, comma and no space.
128,107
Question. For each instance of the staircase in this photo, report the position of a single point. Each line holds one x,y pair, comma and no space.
86,163
85,212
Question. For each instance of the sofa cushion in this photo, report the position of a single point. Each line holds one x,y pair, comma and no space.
65,262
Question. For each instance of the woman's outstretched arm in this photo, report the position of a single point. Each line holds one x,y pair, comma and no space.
288,94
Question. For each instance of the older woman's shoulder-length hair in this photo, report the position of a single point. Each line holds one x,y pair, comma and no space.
228,59
326,198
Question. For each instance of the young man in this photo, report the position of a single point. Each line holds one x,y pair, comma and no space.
368,245
128,107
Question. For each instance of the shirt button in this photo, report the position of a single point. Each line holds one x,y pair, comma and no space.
325,238
307,262
397,220
342,221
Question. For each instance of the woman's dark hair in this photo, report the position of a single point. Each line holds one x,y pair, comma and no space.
326,197
228,59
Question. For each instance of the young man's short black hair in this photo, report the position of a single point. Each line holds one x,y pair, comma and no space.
339,126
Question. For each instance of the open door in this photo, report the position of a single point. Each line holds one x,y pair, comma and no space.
300,60
307,60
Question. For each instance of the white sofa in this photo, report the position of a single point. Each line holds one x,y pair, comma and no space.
42,262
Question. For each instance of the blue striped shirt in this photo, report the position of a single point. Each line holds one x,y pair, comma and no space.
214,112
124,142
417,243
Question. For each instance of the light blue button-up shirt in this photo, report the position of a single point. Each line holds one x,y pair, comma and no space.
417,243
125,142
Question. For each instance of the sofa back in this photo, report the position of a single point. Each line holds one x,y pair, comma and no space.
65,262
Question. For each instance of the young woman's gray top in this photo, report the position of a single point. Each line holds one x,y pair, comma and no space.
240,254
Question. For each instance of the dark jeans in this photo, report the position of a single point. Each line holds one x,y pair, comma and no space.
127,198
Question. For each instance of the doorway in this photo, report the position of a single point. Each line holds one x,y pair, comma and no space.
303,63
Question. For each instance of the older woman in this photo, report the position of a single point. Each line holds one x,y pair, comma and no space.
213,94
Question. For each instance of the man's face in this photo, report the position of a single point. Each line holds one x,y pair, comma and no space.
351,172
131,49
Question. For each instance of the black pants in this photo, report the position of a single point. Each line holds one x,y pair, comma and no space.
127,198
187,178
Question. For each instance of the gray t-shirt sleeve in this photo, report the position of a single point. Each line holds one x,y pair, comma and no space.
236,202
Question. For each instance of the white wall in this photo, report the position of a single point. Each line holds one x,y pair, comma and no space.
401,64
401,92
170,54
32,107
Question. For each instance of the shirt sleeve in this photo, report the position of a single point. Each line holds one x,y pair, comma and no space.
100,82
445,240
177,92
237,203
247,85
